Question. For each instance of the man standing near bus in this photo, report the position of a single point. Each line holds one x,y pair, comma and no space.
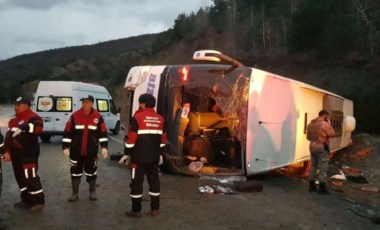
2,151
84,132
22,147
144,143
319,131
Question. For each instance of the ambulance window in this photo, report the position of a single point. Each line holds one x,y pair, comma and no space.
113,107
102,105
63,104
45,104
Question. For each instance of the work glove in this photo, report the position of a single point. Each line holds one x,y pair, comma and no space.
66,153
124,160
104,153
24,127
6,157
16,132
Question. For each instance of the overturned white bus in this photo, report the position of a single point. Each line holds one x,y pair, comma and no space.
236,119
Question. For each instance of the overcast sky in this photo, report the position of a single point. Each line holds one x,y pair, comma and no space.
28,26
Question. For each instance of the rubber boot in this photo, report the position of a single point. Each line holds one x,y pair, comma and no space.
75,185
92,190
312,186
323,189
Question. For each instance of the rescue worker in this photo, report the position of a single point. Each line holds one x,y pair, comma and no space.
2,157
21,143
319,131
144,143
84,131
2,151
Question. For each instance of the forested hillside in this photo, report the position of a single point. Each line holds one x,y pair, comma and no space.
104,62
332,44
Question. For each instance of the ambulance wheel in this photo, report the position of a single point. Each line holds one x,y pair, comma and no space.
45,137
116,130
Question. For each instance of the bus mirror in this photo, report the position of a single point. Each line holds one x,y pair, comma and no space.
206,55
215,56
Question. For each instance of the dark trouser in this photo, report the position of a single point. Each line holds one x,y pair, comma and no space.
88,163
138,172
25,171
319,160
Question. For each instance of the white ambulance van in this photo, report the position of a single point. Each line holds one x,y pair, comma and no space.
55,101
259,123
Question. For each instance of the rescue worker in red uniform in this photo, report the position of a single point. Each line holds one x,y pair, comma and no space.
84,131
21,143
2,151
144,143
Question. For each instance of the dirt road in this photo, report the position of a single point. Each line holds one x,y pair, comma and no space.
283,204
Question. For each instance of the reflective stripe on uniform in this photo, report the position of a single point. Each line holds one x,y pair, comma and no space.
79,127
31,127
136,196
34,172
67,140
162,145
129,145
26,173
36,192
93,127
94,174
103,139
154,193
149,131
14,129
1,145
76,175
22,189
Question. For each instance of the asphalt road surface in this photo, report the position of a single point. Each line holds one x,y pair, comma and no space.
283,204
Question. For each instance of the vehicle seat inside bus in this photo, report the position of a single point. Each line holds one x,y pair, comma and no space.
201,123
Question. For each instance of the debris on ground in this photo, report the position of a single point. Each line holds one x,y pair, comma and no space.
249,186
359,163
223,179
219,189
369,188
360,179
339,176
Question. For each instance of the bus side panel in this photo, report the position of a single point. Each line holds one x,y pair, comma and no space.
272,123
309,103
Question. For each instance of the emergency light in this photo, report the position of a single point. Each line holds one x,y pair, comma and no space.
184,73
